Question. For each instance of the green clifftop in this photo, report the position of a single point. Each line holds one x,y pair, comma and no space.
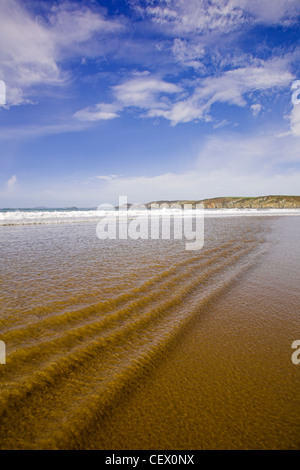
261,202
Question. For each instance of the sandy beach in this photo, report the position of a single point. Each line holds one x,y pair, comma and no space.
140,344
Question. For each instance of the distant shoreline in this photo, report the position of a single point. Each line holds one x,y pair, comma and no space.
259,202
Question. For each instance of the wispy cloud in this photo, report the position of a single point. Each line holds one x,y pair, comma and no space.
184,17
101,111
32,48
103,178
174,62
189,53
35,131
196,15
152,94
106,177
143,92
231,87
256,109
11,182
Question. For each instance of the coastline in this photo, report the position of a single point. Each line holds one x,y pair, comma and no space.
61,216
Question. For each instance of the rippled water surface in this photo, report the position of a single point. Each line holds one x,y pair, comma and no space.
142,344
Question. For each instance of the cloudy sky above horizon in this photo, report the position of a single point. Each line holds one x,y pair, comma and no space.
153,99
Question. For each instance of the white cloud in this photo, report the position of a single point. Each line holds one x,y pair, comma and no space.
231,87
196,184
143,91
100,177
274,12
71,26
106,177
246,154
188,53
30,48
164,99
101,111
194,15
33,131
10,184
256,109
182,16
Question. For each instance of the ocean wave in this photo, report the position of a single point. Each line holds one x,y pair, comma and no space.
33,217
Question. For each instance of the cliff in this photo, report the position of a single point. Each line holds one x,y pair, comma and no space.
261,202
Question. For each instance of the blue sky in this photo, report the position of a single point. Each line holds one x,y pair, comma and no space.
153,99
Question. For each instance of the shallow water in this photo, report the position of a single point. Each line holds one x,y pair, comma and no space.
142,344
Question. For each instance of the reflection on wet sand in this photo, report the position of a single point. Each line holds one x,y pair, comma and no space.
143,345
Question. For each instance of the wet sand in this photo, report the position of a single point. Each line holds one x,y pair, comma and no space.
230,382
146,346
